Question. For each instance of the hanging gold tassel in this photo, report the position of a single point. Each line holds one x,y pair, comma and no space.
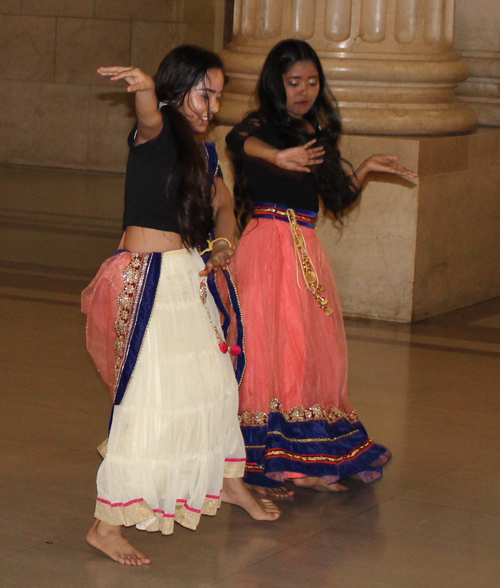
306,265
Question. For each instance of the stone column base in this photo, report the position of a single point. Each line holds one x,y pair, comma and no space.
412,251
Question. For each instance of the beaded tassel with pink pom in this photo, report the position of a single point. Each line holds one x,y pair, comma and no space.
223,346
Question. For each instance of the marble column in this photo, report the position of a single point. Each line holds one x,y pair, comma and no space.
478,44
390,63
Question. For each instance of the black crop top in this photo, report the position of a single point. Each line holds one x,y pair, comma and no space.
267,182
150,168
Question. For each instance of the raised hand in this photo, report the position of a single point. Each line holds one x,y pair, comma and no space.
300,158
149,119
136,79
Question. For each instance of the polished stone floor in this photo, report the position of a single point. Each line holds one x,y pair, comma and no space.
430,392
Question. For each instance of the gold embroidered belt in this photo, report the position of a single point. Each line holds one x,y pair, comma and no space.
305,218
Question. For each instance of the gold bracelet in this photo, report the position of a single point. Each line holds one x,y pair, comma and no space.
211,244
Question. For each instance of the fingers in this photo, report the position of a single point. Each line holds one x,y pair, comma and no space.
126,73
307,157
132,75
387,164
409,174
219,261
315,161
314,154
114,70
402,171
399,170
316,150
382,157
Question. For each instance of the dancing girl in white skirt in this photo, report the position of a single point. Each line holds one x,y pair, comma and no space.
174,450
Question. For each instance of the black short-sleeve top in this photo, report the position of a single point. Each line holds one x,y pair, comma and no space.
152,181
267,182
150,170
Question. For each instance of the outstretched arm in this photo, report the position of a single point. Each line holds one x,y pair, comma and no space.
149,119
225,226
382,164
303,157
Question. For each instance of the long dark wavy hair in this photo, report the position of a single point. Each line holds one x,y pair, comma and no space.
182,69
332,181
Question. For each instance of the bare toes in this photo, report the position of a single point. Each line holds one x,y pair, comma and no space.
279,492
269,506
337,487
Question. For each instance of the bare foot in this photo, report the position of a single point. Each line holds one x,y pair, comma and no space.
279,492
260,509
109,540
319,484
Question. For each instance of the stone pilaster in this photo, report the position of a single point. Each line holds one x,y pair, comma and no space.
478,44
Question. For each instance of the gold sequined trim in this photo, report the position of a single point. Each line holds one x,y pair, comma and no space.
128,515
253,467
204,296
203,291
318,458
128,300
207,160
246,418
296,414
140,511
318,440
234,469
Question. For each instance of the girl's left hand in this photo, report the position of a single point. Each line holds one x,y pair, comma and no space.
219,259
385,164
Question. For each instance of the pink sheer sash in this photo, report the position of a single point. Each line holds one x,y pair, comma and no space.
99,303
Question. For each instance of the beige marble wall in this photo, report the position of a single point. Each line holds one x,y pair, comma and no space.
458,248
56,111
414,250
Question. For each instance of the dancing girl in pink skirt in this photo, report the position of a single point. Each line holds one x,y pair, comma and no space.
295,415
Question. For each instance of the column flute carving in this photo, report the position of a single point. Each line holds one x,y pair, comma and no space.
390,63
303,19
478,43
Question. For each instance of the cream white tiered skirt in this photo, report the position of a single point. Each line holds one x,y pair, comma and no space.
176,433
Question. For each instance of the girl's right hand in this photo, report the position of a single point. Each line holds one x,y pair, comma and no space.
299,159
138,81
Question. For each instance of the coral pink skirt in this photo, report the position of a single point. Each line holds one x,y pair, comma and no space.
294,411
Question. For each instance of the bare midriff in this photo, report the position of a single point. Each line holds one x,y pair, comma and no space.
143,240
